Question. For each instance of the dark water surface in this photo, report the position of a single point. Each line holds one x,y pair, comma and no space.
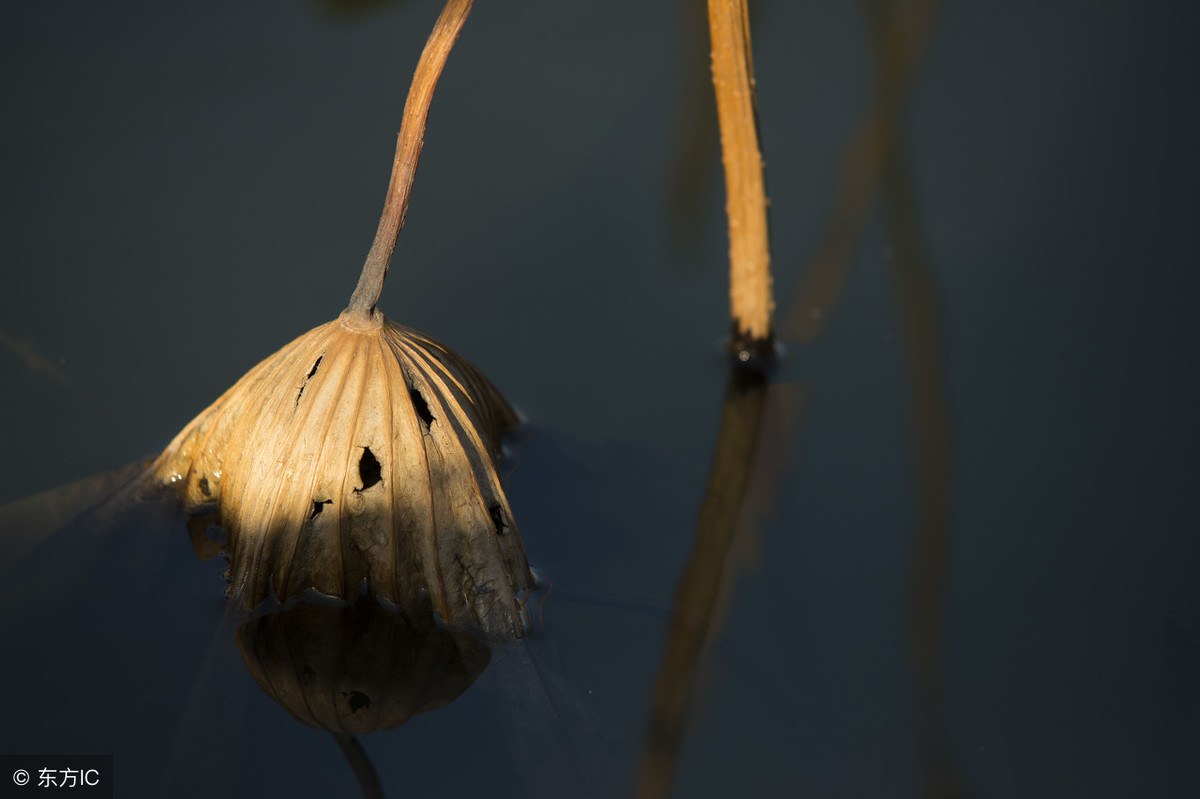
187,187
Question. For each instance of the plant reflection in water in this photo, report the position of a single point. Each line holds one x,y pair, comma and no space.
356,667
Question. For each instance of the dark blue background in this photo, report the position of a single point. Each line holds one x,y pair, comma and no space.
185,188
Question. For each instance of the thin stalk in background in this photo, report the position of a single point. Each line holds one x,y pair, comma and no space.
897,31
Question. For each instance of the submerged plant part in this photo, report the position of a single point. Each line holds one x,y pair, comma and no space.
362,455
358,667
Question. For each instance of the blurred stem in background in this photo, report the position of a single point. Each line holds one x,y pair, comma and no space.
898,34
874,163
860,170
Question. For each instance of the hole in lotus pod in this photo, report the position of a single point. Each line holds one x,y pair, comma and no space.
356,699
308,377
318,506
421,407
369,470
497,519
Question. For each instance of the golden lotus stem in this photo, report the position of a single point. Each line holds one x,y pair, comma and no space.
750,294
408,152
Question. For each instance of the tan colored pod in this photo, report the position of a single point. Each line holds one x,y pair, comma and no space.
362,451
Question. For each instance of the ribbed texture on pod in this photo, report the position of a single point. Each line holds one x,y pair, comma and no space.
360,452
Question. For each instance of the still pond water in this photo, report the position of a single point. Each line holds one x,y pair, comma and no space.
966,561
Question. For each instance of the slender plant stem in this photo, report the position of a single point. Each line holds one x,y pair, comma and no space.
408,152
364,769
750,295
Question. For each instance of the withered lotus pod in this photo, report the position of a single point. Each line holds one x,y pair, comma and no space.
363,454
358,667
359,453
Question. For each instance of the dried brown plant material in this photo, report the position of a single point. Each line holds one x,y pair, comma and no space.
359,454
362,456
751,299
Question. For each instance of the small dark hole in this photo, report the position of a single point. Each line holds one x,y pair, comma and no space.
318,506
205,489
421,407
369,470
497,519
357,700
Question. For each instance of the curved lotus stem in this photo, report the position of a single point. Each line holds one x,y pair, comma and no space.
408,152
362,456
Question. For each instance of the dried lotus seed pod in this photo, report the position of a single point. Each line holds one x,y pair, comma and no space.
360,453
363,454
